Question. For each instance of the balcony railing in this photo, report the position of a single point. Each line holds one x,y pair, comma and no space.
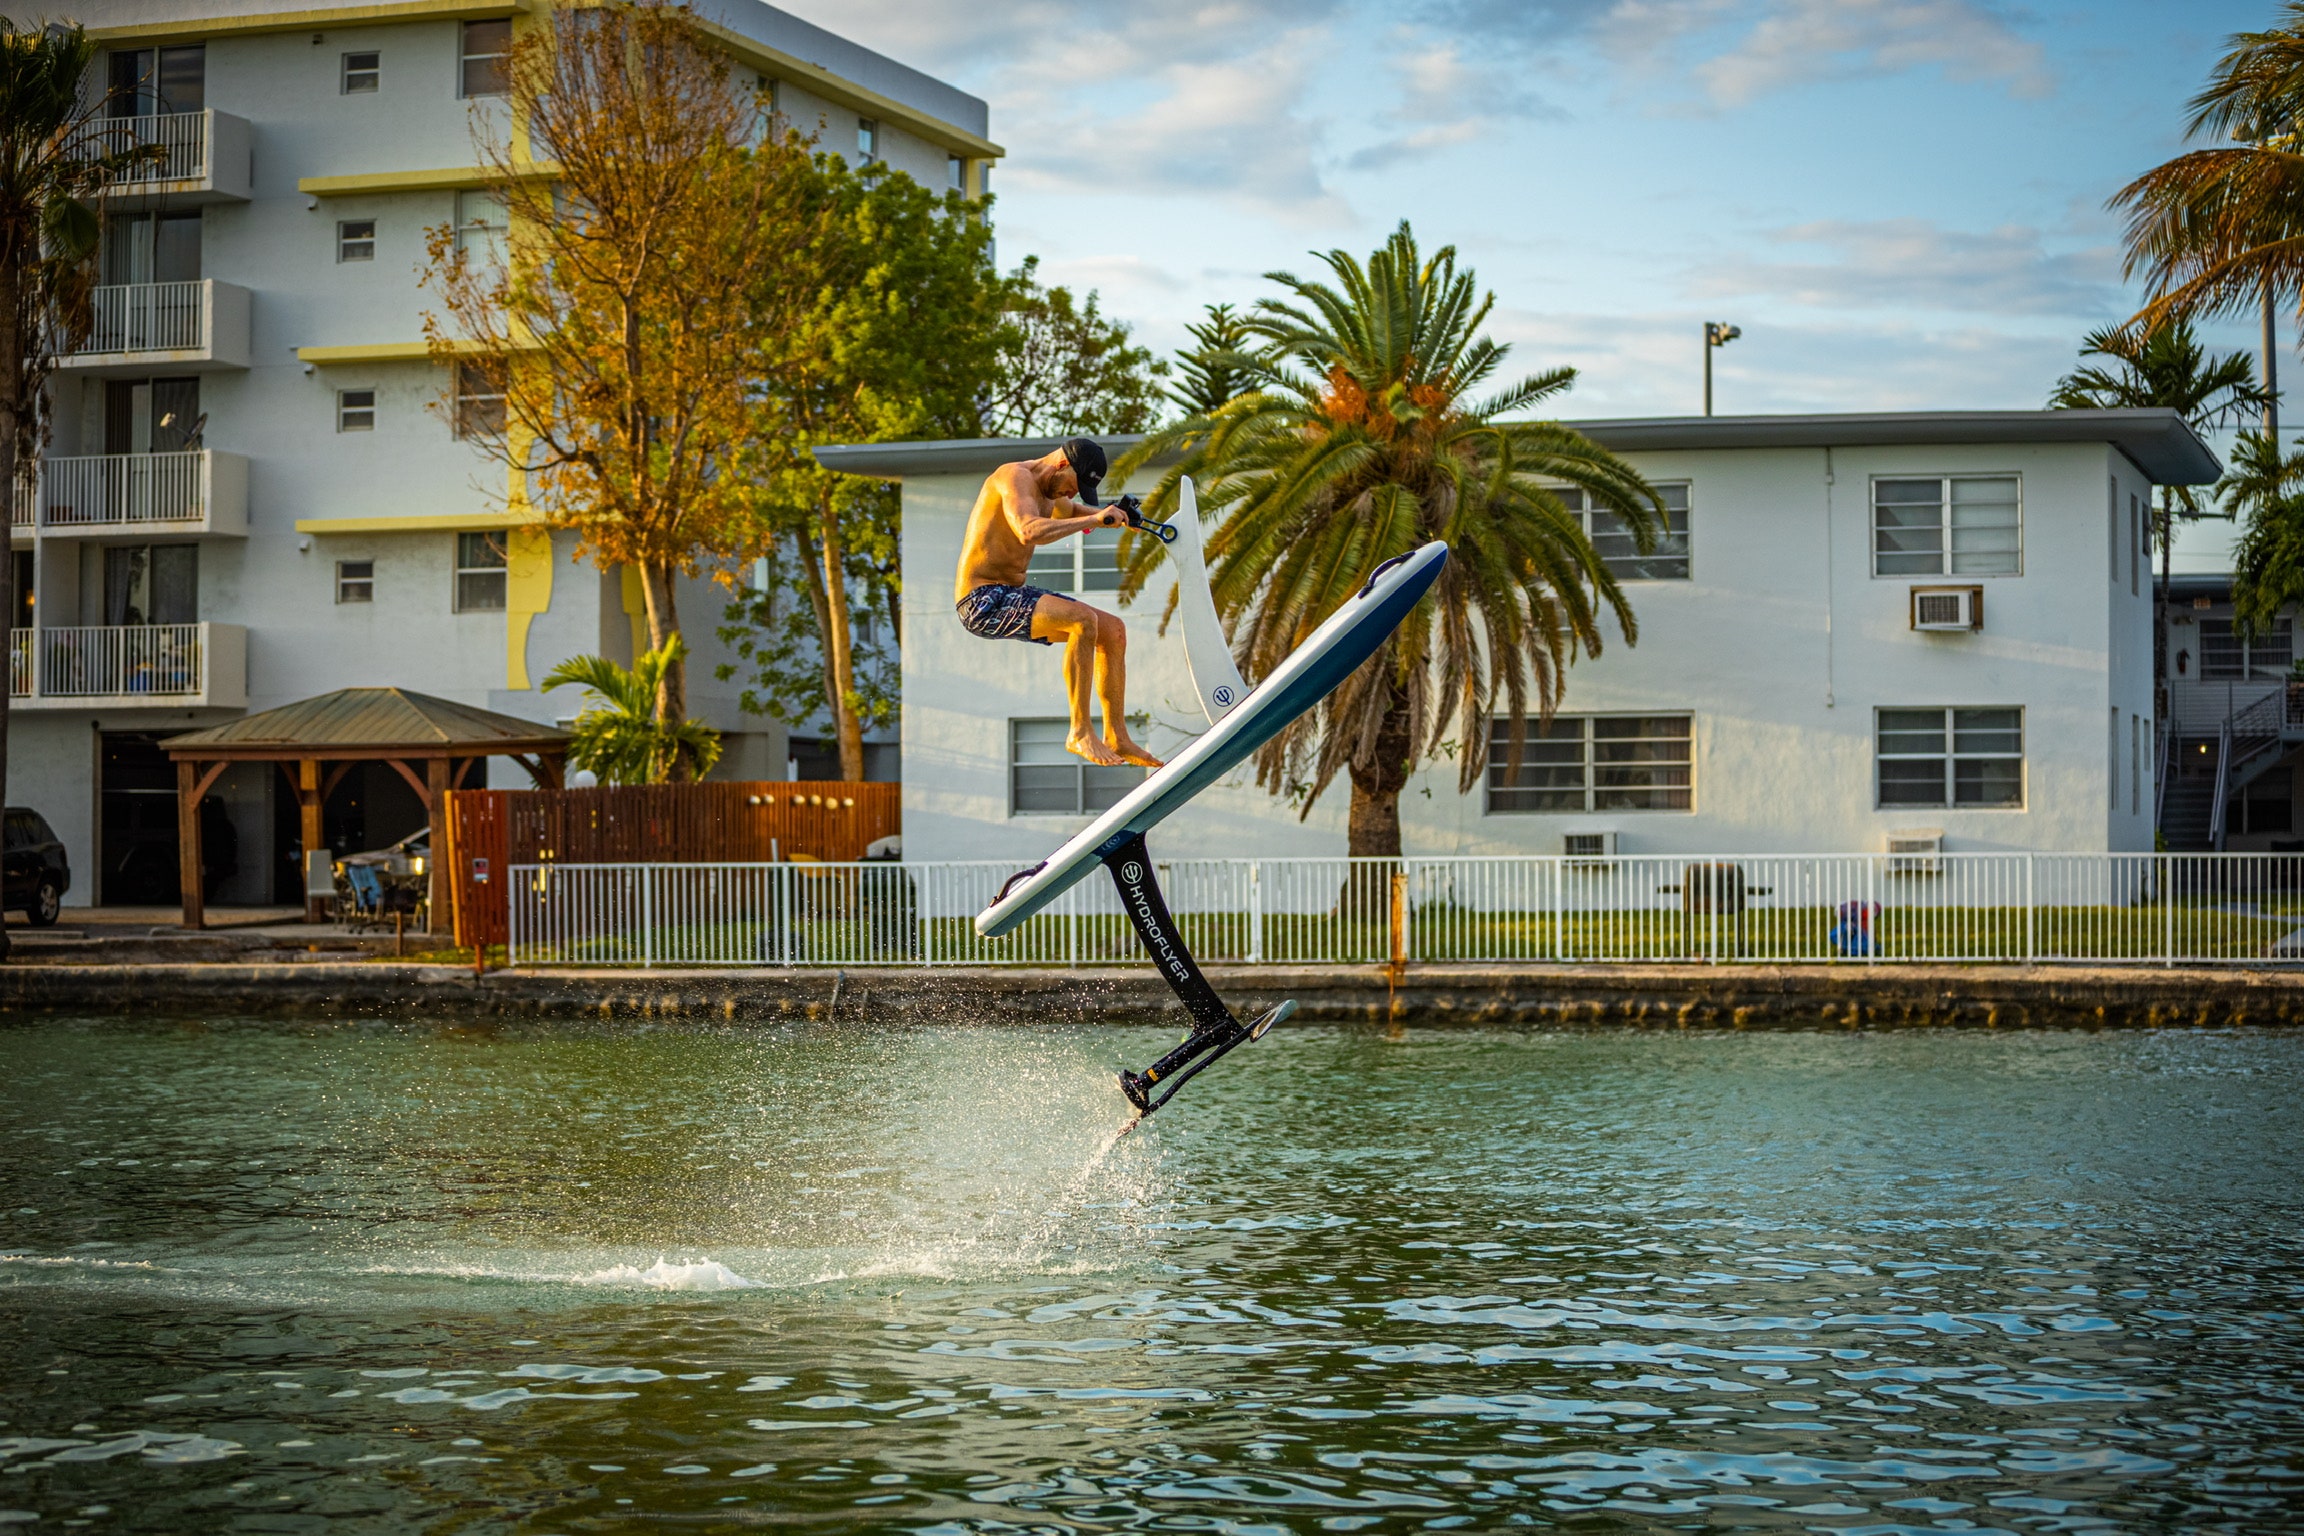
113,489
19,662
111,660
170,147
149,317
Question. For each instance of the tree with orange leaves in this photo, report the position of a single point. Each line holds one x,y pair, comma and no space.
1357,436
652,201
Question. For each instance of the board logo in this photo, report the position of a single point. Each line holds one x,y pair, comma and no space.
1224,693
1131,871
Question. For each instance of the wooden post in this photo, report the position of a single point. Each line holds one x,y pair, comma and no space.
442,897
188,860
308,808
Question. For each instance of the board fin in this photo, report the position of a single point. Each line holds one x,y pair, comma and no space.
1215,1031
1207,651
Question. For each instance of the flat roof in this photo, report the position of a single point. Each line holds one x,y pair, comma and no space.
2159,441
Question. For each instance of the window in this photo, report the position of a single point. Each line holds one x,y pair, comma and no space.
20,567
356,240
355,410
479,573
2224,658
479,400
355,581
772,89
1085,562
1952,757
2136,764
487,58
956,172
1046,780
1595,763
480,225
152,584
1952,525
2135,543
147,81
1613,538
362,72
867,141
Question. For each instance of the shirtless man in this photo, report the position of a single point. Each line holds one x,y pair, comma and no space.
1022,507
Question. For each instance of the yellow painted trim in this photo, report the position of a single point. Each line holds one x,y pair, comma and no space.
382,352
423,522
312,20
447,178
636,612
527,593
844,92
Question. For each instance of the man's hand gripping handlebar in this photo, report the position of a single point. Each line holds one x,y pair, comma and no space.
1133,509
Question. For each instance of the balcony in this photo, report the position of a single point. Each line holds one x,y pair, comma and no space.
190,493
181,158
125,666
199,326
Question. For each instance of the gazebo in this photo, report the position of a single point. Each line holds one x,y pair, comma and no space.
432,743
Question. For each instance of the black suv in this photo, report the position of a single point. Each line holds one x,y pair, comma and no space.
38,874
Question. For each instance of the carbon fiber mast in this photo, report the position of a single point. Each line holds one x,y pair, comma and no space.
1214,1029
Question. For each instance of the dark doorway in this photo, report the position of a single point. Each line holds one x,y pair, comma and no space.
138,841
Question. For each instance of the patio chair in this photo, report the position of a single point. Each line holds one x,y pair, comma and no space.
362,905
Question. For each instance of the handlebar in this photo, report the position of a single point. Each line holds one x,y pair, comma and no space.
1133,510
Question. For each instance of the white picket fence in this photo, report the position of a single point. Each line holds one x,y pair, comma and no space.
1854,909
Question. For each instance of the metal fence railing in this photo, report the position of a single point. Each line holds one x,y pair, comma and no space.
109,489
168,146
149,317
95,661
1854,909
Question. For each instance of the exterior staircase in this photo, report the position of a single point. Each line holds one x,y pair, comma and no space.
2207,764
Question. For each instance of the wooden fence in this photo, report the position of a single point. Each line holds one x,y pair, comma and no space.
490,830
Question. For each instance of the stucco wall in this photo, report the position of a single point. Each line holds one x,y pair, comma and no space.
1781,646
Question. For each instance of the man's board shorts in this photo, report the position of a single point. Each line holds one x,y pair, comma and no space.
998,611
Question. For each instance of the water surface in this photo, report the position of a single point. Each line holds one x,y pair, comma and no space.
399,1279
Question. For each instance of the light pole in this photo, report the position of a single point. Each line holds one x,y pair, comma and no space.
1717,333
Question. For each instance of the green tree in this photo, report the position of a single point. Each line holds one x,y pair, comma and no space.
898,341
48,243
2167,368
2264,486
1208,378
1363,439
628,741
1065,368
2219,231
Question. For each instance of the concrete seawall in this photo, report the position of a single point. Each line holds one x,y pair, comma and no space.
1639,997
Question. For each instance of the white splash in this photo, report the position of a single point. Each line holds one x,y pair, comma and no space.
663,1275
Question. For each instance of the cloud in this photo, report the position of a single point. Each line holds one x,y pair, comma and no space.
1914,264
1445,100
1737,51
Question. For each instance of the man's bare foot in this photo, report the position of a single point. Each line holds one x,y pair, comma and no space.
1132,753
1086,744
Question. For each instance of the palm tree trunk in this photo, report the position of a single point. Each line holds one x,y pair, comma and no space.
1374,824
812,566
839,654
663,607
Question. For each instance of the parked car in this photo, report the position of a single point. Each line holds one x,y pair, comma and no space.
38,874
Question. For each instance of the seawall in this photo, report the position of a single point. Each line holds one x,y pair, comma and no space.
1637,997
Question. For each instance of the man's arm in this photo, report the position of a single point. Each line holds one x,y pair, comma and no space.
1017,499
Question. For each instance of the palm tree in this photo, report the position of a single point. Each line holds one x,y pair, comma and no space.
2169,368
2220,231
626,743
1359,440
1206,381
48,242
2266,486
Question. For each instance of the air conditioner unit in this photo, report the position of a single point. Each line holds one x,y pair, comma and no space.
1919,852
1589,846
1947,608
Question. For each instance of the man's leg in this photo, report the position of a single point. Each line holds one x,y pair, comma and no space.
1112,689
1076,625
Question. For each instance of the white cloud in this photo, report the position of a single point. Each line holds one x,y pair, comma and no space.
1736,51
1446,99
1914,264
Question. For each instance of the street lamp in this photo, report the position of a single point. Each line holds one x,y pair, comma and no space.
1717,333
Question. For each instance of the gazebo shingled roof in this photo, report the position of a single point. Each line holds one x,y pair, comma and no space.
369,721
352,725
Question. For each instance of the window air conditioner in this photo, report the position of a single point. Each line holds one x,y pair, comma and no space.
1947,608
1918,852
1588,845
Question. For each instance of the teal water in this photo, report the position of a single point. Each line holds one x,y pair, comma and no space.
399,1279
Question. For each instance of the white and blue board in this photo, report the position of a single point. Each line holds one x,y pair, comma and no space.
1241,719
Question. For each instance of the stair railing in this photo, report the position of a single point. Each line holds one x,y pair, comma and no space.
2165,770
2223,777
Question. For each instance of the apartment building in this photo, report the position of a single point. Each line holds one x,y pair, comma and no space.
258,488
1857,627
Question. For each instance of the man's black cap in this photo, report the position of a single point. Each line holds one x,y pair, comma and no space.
1086,456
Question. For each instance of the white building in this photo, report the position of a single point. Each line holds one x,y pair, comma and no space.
252,495
1861,625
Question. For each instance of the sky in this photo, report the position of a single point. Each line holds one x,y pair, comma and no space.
1901,202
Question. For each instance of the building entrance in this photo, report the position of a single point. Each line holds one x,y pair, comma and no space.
136,826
